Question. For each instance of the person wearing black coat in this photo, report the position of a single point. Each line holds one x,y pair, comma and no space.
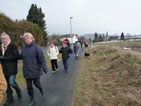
66,53
9,59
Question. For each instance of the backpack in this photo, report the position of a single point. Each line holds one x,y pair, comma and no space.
55,49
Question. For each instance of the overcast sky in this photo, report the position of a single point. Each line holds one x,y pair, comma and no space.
89,16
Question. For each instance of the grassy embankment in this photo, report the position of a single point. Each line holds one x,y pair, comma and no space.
111,76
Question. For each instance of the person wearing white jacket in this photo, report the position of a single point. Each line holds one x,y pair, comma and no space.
53,52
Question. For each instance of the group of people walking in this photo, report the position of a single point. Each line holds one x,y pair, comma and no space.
34,64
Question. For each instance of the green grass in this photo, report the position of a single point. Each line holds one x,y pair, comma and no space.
111,76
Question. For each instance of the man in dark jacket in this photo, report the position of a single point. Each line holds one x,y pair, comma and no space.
66,53
9,58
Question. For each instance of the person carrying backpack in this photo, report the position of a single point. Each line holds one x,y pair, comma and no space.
53,52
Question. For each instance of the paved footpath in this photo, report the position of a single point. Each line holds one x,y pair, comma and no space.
58,88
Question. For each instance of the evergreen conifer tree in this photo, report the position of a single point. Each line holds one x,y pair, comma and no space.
122,36
36,16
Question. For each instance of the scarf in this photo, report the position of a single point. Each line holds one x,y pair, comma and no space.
4,47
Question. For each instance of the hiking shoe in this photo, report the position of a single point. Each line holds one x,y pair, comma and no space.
42,93
8,102
57,69
31,103
66,71
53,72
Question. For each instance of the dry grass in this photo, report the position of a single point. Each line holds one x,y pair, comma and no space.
110,77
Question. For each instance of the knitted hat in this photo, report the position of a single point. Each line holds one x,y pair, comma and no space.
64,42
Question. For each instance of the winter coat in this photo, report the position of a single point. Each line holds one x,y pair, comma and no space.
68,44
33,61
53,52
65,51
3,85
10,61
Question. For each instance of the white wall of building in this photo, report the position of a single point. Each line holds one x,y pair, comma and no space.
71,39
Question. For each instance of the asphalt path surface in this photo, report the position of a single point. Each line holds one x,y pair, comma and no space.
58,88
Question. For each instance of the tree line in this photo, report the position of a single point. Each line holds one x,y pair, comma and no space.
103,37
34,24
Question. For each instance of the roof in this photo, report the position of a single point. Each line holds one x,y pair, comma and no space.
68,36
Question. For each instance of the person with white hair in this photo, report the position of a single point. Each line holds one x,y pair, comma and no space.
9,59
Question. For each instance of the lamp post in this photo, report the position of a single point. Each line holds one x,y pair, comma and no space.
71,25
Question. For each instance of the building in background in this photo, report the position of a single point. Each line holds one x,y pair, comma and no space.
71,37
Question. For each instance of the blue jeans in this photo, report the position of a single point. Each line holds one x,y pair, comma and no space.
65,63
11,83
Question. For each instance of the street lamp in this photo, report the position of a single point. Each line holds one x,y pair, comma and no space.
71,25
